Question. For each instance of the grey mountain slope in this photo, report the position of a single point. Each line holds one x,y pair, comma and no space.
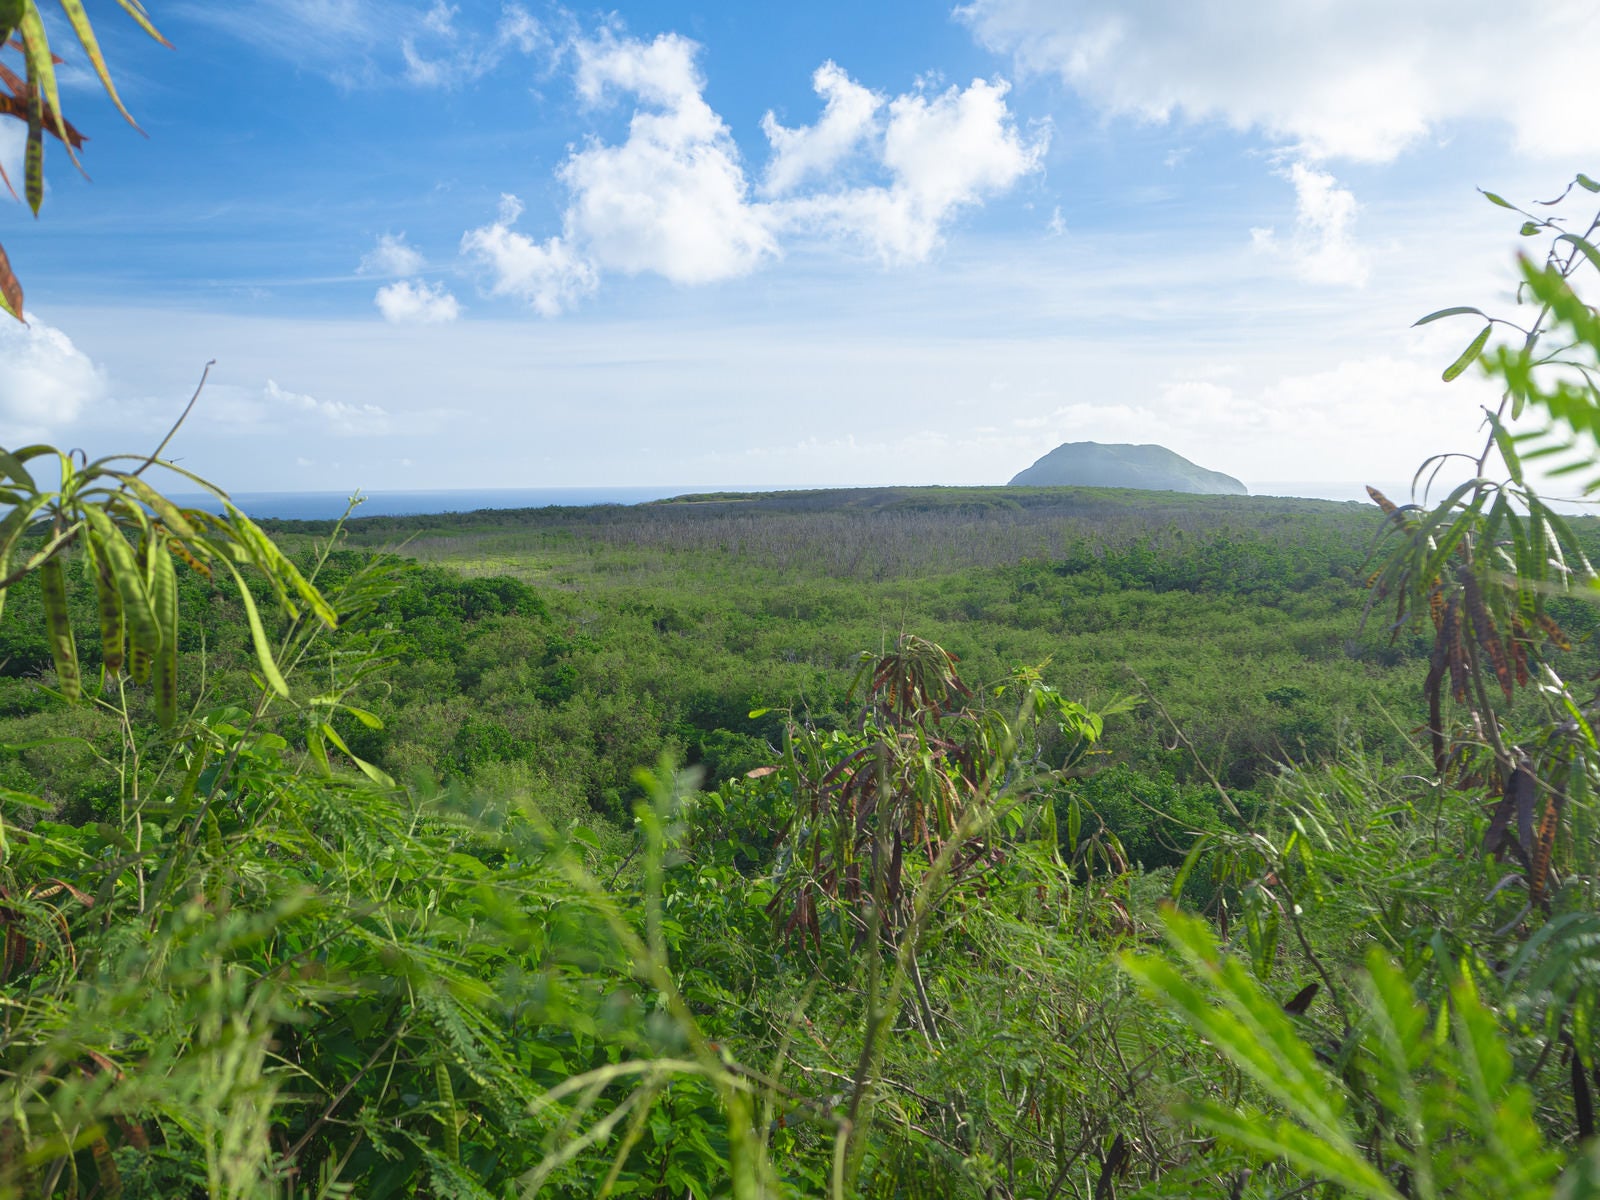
1151,468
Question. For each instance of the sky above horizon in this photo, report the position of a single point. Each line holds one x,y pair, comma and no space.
467,245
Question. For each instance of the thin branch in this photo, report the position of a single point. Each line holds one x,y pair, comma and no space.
294,1151
1188,745
183,416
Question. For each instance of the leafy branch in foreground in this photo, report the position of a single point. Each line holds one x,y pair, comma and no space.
1418,1103
128,539
1487,564
35,99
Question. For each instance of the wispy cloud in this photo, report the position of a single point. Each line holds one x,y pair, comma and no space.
1322,248
449,56
391,256
334,416
364,43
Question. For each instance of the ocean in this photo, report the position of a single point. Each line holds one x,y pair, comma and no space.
326,506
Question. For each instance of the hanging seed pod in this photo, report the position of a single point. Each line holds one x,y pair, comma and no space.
108,601
63,647
164,601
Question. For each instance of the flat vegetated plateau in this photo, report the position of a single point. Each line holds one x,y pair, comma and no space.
562,648
1245,618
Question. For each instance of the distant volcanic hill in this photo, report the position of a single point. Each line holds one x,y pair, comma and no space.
1152,468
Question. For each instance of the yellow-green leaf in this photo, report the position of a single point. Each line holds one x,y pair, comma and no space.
173,517
137,11
41,71
258,638
371,772
33,156
91,47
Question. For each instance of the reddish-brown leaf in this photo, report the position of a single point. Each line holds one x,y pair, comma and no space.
10,288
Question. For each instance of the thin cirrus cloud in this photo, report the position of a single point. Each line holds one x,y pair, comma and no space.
390,257
674,198
336,416
459,56
1359,81
372,43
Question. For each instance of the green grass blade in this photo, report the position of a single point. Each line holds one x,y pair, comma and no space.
258,637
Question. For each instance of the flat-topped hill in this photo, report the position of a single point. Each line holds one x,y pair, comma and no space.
1118,465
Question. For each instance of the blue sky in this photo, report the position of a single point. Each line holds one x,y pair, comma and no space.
520,245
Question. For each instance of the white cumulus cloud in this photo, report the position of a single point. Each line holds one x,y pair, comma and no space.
548,276
849,117
674,198
1356,79
46,382
942,153
391,256
413,302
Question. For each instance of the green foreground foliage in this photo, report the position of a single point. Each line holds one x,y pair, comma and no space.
901,937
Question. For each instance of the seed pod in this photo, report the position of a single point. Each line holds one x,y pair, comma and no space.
144,635
1450,634
108,599
1544,844
1488,636
164,600
1554,632
63,648
447,1118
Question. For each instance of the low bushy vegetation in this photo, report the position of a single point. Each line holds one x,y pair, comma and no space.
1023,845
